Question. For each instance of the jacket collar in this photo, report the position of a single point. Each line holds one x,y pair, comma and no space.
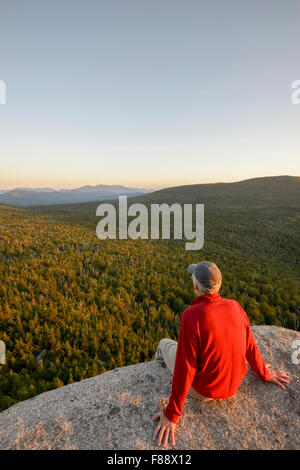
208,297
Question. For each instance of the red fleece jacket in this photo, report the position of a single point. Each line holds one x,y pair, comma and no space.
214,339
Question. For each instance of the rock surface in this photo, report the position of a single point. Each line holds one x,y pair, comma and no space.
114,410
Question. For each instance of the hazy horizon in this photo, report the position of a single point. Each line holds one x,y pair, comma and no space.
135,187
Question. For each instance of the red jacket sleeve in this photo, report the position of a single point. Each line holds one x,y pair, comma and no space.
184,371
254,357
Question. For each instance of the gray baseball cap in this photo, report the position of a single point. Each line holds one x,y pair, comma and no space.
206,273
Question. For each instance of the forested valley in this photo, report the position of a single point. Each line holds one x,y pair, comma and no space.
89,305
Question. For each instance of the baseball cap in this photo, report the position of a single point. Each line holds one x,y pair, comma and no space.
207,274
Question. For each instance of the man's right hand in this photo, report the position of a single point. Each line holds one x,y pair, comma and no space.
278,377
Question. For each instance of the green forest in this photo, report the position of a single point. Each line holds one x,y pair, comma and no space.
91,305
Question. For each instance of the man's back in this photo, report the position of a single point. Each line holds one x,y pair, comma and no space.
221,330
214,339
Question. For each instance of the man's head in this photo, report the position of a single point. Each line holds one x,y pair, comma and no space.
207,277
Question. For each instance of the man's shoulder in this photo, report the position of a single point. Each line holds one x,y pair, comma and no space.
232,302
197,316
192,310
236,307
189,312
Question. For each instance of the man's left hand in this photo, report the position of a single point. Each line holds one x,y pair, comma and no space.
164,429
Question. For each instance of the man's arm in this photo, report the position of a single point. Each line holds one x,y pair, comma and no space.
253,355
184,370
265,372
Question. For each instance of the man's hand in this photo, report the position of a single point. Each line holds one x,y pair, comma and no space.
278,377
164,428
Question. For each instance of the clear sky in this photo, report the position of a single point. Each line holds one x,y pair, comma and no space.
147,93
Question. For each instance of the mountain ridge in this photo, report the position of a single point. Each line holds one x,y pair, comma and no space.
257,193
282,189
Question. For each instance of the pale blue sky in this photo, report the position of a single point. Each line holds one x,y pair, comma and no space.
148,93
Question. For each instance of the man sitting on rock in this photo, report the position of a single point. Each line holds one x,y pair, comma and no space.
209,360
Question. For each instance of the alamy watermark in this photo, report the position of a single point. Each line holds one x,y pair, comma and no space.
295,97
159,225
2,92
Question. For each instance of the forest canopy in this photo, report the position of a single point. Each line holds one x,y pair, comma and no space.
73,306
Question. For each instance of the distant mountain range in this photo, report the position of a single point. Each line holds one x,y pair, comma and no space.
25,197
273,191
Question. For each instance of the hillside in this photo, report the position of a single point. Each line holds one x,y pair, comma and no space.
266,192
114,410
257,216
272,191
